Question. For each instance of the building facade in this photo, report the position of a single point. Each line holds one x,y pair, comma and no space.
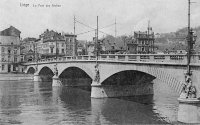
28,49
53,44
141,43
10,50
71,44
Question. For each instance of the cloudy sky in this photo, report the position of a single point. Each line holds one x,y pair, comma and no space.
131,15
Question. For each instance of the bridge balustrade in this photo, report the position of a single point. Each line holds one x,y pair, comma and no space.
69,58
111,57
161,58
85,57
131,58
121,57
103,57
195,59
80,58
92,57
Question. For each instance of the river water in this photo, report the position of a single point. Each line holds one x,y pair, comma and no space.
27,103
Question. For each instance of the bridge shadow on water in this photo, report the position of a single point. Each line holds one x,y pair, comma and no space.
75,99
122,110
40,103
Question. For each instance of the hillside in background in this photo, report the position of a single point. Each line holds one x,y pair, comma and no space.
176,40
164,41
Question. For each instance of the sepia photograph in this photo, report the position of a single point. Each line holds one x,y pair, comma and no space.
99,62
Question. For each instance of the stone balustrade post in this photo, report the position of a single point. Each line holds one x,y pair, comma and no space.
107,57
126,58
167,58
151,58
194,58
138,58
116,58
89,57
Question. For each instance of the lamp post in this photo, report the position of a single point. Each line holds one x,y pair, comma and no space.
35,56
97,73
189,90
55,66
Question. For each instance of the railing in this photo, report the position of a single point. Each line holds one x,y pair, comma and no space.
147,58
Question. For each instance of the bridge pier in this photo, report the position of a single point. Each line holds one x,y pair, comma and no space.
36,77
56,81
189,103
189,113
97,91
104,91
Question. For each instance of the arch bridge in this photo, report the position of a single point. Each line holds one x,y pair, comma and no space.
117,75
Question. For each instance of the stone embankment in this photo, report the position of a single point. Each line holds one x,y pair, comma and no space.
13,77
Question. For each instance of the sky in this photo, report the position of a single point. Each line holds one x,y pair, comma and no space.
131,15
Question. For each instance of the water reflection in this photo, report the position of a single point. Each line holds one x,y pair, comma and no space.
26,102
11,101
118,111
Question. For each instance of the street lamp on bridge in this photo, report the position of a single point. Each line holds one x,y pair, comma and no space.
97,75
188,94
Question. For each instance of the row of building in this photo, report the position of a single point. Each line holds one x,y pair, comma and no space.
49,44
14,50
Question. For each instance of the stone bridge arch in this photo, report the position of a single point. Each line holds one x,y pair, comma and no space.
44,72
158,72
86,69
30,70
41,67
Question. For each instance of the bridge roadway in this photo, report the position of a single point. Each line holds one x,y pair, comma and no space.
144,68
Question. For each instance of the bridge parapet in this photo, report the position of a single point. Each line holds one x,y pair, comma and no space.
130,58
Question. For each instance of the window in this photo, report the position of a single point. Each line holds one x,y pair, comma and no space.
9,51
3,49
3,67
57,50
63,51
52,50
2,59
15,51
14,67
63,44
15,59
22,59
67,39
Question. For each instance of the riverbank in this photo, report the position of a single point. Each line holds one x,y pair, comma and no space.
14,77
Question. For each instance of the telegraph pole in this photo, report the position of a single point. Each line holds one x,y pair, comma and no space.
56,46
97,46
74,40
97,72
74,25
115,28
148,33
188,41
